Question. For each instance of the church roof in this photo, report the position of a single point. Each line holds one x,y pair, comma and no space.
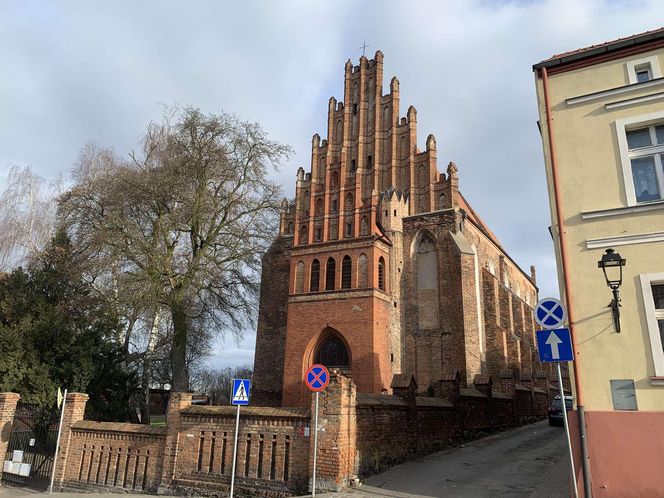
475,218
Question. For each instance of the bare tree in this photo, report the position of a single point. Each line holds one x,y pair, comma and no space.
217,383
27,215
181,226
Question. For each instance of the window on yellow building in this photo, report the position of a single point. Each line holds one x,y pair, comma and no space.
652,288
643,73
658,297
641,70
646,155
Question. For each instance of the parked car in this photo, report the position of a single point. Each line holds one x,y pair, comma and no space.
556,409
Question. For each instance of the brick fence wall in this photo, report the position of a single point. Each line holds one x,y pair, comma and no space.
359,434
391,429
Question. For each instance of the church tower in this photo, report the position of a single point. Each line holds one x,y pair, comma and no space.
357,279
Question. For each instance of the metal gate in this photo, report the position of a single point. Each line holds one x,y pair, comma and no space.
29,459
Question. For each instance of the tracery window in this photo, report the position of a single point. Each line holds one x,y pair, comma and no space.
332,353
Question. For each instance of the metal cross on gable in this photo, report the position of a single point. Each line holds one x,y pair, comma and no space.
364,46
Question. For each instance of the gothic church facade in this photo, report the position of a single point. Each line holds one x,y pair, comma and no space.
381,267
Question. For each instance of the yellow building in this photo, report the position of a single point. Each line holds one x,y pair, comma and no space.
601,114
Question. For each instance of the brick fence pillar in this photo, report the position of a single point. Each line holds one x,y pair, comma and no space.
176,402
336,465
448,387
8,403
74,411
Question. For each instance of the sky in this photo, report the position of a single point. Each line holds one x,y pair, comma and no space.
79,71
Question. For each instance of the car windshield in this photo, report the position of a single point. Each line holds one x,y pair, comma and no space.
557,404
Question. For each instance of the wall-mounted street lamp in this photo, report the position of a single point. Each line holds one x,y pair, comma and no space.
612,266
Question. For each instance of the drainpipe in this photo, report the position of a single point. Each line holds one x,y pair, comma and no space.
568,291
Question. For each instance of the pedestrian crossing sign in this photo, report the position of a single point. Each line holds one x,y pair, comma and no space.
240,393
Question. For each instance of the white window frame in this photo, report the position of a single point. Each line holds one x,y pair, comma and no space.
622,126
651,63
652,314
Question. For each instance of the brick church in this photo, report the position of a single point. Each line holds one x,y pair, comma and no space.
381,266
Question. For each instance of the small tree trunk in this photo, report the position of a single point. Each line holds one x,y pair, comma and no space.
147,369
179,349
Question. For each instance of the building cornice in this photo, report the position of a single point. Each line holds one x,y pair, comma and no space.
624,240
615,91
641,208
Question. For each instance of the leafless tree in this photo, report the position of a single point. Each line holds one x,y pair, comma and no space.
181,225
27,215
217,383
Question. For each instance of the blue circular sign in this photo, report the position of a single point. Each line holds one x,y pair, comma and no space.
550,313
317,377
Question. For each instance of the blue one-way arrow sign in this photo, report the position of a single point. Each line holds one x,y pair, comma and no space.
554,345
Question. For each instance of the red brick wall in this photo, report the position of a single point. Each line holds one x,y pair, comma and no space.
113,455
360,317
8,402
337,435
271,330
273,449
362,433
193,453
391,429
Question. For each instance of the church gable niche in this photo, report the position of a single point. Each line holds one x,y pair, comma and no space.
427,282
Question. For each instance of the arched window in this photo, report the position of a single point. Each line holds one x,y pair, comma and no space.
381,273
386,118
314,284
304,233
299,277
290,227
330,271
364,226
362,271
403,150
350,205
346,272
334,179
332,353
339,133
319,207
335,205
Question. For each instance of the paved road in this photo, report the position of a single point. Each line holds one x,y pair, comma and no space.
527,461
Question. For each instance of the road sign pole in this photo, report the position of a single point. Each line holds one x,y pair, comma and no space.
569,441
237,428
313,485
57,442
